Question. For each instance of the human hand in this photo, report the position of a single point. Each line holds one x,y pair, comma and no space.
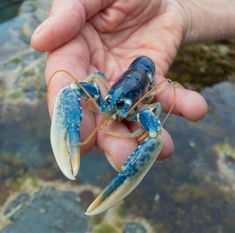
84,36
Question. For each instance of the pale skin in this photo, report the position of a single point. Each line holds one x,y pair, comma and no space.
83,36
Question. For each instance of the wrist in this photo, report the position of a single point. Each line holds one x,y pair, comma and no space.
208,20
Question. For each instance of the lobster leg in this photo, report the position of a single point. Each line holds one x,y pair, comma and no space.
99,78
66,123
135,167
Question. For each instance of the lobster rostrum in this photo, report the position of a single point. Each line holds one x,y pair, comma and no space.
129,98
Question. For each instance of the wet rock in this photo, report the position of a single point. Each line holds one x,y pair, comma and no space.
134,227
48,211
22,66
10,7
21,200
27,7
105,228
16,137
221,105
202,65
226,163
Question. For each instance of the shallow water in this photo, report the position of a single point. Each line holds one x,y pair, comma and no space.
191,192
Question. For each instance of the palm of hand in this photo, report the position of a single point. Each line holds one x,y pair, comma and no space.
109,41
111,49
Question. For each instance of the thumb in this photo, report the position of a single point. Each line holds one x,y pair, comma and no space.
64,22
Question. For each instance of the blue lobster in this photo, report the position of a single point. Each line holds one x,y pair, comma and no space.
130,99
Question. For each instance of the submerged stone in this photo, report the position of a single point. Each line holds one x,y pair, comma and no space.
49,211
134,227
226,163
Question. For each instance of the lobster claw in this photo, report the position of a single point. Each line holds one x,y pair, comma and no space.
131,174
65,131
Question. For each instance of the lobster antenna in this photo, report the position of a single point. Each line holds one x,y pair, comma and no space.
142,137
173,102
77,83
133,134
101,123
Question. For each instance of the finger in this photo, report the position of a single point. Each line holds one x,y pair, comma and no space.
116,149
168,146
187,103
64,22
74,58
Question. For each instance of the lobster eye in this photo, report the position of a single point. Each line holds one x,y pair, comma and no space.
120,103
108,100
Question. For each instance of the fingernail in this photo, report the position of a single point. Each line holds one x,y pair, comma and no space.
161,159
39,28
109,158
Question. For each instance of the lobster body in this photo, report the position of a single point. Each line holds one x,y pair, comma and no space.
129,88
128,98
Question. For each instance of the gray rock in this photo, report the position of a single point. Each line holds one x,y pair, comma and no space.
134,227
49,211
19,201
27,7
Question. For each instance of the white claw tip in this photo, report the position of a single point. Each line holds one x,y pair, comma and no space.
69,176
90,213
95,207
87,213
